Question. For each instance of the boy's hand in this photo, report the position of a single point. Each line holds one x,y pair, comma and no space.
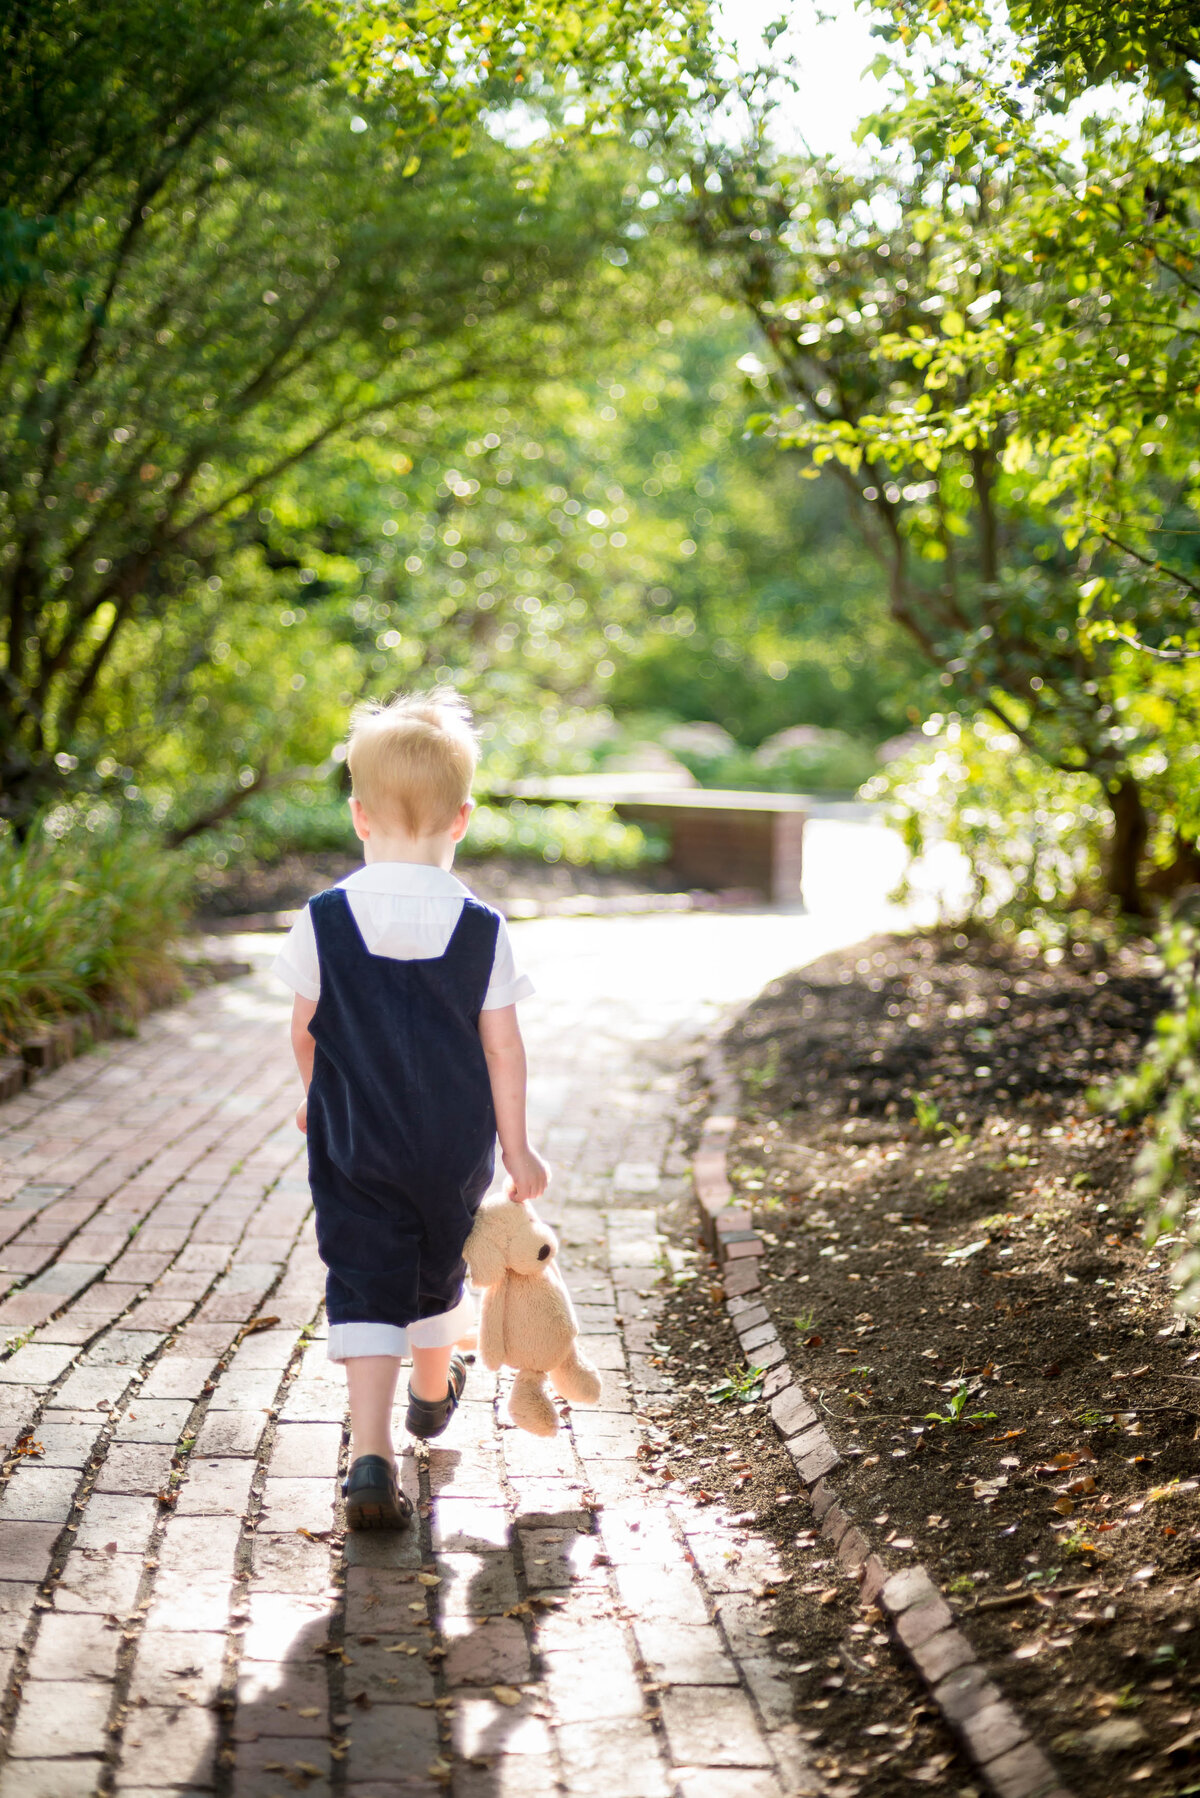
528,1175
302,1116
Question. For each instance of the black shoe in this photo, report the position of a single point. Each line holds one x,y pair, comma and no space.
426,1417
373,1497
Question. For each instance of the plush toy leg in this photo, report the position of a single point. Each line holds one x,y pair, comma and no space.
576,1379
529,1405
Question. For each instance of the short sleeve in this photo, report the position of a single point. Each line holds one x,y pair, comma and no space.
508,983
297,964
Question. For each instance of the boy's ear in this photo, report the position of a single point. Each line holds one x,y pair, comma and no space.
458,829
359,819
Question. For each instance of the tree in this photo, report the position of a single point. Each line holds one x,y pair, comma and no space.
991,340
229,233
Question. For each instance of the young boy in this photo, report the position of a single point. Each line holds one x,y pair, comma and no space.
405,1032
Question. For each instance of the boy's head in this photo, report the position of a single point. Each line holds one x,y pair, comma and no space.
411,762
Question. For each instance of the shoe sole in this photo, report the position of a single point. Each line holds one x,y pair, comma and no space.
364,1513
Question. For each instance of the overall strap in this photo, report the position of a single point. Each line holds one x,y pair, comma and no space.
471,951
332,917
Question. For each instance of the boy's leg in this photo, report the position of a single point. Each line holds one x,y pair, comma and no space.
431,1373
371,1380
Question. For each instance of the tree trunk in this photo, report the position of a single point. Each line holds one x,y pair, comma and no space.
1183,870
224,808
26,785
1131,829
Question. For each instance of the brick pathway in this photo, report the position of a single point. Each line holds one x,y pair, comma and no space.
179,1611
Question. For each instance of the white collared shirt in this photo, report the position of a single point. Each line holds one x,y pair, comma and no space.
406,911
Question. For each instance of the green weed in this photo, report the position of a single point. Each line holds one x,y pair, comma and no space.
956,1415
767,1071
741,1383
930,1122
928,1114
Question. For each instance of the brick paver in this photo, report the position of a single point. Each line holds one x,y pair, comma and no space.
179,1610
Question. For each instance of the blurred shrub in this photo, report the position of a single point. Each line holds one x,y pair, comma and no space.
300,820
583,835
1169,1077
87,912
797,761
316,820
1033,838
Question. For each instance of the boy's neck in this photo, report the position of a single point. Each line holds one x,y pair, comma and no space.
425,852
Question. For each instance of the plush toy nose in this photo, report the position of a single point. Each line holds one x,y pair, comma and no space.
544,1252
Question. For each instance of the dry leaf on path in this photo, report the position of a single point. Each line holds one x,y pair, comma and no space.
506,1694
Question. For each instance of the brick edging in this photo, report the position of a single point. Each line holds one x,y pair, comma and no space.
992,1734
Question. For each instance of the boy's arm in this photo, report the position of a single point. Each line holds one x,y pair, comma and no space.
304,1049
500,1034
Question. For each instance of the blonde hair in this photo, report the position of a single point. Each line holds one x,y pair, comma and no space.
412,761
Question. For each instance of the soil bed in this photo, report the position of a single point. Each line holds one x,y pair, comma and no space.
983,1265
864,1716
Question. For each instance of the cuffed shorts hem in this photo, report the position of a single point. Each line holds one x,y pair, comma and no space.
347,1341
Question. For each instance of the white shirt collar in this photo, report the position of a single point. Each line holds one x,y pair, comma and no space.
413,879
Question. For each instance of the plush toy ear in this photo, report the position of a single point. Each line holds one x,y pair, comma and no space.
486,1246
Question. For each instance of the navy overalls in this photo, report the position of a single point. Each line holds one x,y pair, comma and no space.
401,1130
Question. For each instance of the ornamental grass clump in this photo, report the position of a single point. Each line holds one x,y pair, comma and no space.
86,920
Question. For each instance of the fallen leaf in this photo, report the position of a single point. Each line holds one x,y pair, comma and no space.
506,1694
813,1341
309,1710
830,1595
313,1535
1064,1506
259,1323
429,1579
1051,1370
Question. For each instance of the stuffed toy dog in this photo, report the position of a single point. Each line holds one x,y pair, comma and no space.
527,1321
